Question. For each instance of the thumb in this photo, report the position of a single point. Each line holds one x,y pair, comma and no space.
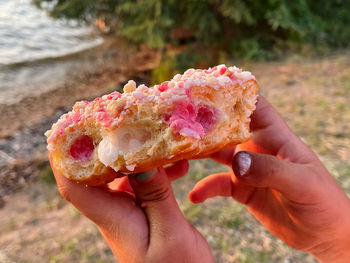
294,181
153,190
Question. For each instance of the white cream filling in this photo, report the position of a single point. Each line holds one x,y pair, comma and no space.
107,150
121,142
131,167
189,132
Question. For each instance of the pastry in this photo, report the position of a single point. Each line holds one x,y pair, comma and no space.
194,114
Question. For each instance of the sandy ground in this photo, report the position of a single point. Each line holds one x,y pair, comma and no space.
36,225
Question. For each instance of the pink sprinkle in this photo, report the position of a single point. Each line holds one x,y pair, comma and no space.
233,77
59,131
105,118
211,70
223,70
101,116
163,86
75,117
108,122
114,96
64,122
188,93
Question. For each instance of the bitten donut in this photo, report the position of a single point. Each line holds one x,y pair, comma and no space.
194,114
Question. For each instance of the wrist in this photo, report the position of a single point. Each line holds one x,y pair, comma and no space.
337,254
336,249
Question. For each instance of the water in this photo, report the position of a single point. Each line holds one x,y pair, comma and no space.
31,46
27,34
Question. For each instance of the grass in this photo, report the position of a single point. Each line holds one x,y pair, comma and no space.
312,96
46,175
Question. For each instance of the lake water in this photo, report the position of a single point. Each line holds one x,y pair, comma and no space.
28,35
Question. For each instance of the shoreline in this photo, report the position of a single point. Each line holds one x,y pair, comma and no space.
84,76
22,141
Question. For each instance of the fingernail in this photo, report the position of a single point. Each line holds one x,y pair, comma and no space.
144,176
243,162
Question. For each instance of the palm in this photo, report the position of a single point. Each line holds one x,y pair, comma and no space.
283,216
274,212
290,203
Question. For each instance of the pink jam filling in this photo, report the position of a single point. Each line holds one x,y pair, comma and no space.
183,120
82,148
189,121
206,117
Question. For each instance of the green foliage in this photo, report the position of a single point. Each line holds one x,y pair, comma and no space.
46,175
163,72
242,28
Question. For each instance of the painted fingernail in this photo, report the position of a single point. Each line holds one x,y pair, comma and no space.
243,162
144,176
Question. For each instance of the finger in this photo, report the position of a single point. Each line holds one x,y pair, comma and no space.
94,202
116,214
177,170
174,171
222,184
252,147
120,184
294,181
273,135
264,115
223,156
153,190
211,186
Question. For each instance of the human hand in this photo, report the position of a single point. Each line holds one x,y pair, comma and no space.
285,186
139,218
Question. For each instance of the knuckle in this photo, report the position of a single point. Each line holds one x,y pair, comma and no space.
157,194
270,169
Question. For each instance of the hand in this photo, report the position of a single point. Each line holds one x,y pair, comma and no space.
286,187
139,218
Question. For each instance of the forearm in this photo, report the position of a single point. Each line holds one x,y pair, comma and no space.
338,249
339,255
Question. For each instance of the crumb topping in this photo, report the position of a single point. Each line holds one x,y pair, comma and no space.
108,110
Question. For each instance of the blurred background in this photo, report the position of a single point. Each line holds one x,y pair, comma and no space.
54,52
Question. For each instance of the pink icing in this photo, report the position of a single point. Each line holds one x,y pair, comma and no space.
186,118
65,121
104,117
82,148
